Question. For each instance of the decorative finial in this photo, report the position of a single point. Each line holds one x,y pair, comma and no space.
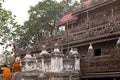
75,51
44,51
90,47
56,44
43,47
71,51
118,43
56,49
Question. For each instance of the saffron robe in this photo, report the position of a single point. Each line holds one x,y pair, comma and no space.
16,67
6,73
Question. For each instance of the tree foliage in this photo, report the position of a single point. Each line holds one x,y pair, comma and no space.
9,29
43,17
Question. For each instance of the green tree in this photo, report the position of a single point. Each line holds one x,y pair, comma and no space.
9,29
43,17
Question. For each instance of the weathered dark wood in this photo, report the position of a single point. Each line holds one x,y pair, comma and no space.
97,23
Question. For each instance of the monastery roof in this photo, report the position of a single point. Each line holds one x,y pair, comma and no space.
66,18
69,17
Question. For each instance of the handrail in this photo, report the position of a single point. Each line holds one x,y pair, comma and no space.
84,34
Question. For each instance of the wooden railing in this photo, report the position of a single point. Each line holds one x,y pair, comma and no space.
96,31
65,37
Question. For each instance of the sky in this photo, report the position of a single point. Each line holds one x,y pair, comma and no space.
19,8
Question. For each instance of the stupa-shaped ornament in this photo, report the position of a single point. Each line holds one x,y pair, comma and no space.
71,51
44,60
56,49
118,43
44,51
90,47
75,51
90,51
28,60
56,60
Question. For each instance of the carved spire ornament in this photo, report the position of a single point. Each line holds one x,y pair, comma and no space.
44,51
118,43
90,47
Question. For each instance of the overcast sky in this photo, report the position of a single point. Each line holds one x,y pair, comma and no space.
19,8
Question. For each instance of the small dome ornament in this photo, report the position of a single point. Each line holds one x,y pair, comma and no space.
28,56
75,51
71,51
56,49
44,51
118,43
90,47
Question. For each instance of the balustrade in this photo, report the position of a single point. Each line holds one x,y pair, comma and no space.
93,32
88,33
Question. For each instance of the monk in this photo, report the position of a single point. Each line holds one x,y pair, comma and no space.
17,66
7,73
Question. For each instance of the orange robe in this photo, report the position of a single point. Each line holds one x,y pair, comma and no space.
16,67
7,74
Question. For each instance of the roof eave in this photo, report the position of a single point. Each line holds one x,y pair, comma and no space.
67,22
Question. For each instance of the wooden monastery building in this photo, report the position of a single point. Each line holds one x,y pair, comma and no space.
93,28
